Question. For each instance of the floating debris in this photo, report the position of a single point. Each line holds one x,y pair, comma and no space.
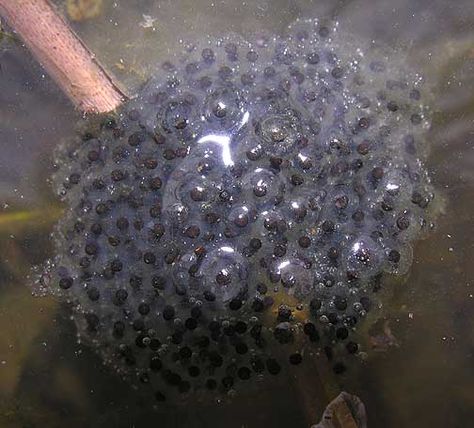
82,10
148,22
345,411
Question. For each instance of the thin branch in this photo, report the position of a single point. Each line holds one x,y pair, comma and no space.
63,55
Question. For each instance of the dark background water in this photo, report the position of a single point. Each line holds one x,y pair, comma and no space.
48,380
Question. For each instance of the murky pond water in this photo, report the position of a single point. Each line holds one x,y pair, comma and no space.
424,377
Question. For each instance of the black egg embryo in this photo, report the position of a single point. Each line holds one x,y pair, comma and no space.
252,197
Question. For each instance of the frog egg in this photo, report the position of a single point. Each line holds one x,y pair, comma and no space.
193,183
263,186
398,258
363,257
407,223
278,133
299,210
225,109
184,271
180,117
224,272
395,185
195,189
295,275
340,203
306,159
176,214
241,216
272,223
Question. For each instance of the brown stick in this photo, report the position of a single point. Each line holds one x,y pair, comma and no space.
63,55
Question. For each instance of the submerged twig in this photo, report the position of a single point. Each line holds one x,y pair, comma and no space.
63,55
13,222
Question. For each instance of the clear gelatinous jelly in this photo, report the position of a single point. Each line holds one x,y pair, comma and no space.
247,199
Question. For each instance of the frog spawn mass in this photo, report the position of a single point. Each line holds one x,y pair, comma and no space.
245,206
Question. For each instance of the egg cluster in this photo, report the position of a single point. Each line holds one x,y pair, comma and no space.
245,206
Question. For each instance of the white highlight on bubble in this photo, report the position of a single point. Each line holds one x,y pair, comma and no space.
224,141
283,265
